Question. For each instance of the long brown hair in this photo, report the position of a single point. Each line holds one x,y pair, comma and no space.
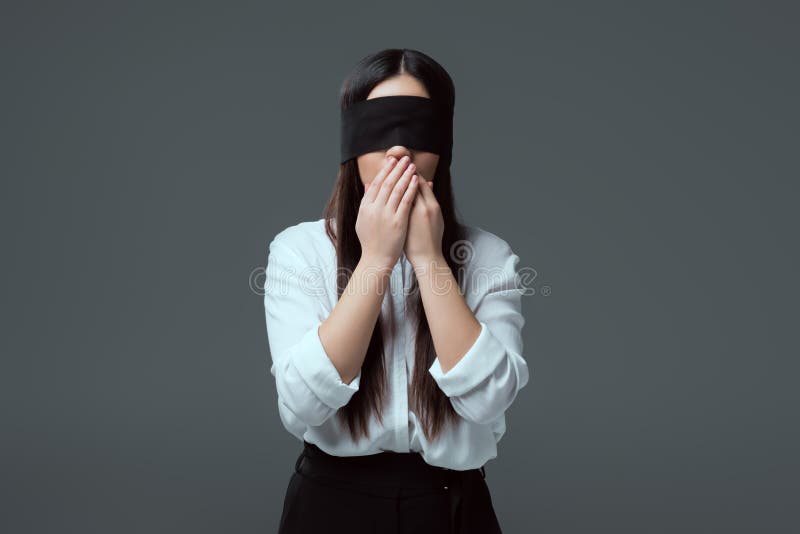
426,400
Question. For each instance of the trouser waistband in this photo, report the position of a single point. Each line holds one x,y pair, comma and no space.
387,473
387,468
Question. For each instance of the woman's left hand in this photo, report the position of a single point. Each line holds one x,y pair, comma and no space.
425,226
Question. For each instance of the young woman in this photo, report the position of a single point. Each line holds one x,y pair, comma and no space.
394,330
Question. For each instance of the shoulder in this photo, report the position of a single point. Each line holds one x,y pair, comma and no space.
301,233
484,248
307,240
490,263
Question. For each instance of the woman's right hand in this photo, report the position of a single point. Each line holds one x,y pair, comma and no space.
382,220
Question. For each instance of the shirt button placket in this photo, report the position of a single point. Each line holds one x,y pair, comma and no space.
399,359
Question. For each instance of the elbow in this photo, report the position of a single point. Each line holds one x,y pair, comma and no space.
300,401
483,411
491,399
309,413
478,416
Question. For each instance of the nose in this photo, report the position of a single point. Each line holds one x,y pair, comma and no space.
399,151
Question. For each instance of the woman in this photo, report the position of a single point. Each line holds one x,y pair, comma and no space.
396,342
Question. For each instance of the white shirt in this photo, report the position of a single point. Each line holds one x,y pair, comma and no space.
300,293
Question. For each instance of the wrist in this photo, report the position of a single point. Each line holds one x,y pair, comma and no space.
428,264
377,262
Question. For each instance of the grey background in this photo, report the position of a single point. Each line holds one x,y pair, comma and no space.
642,158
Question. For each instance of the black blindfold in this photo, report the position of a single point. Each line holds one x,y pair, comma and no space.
414,122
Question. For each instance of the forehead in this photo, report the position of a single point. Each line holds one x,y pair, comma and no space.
402,84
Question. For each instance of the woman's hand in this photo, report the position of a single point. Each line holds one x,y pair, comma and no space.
383,215
425,226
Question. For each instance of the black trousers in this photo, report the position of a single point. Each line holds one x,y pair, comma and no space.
384,493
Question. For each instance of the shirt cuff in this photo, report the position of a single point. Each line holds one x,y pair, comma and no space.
319,373
474,367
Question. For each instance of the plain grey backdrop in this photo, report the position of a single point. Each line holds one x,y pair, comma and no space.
641,157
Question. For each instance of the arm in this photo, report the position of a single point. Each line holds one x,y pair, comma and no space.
316,353
482,369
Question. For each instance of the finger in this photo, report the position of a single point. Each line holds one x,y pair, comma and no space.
423,183
427,193
364,197
409,196
400,188
385,189
373,191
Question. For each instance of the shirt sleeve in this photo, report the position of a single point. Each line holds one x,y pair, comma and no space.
307,382
486,380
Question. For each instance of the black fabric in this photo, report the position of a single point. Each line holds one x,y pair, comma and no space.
386,493
414,122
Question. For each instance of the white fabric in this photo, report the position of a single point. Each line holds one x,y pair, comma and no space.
300,292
